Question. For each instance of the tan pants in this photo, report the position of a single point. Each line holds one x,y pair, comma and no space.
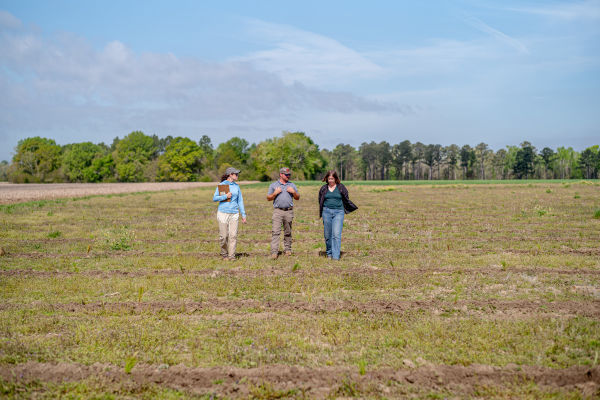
228,229
284,218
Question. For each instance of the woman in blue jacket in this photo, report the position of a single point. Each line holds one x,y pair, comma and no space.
228,212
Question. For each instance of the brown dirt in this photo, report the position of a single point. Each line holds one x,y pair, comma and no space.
510,309
314,382
355,253
279,270
16,193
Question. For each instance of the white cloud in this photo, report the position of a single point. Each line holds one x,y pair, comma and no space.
62,84
498,35
581,10
298,55
9,21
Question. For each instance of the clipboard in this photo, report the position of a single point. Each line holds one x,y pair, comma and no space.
223,190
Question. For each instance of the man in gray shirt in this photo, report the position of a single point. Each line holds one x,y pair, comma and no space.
282,193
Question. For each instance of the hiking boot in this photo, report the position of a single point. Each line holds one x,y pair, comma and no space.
288,253
274,256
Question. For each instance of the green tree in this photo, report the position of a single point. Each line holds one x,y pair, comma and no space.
102,169
401,156
429,157
482,151
498,162
452,153
4,170
418,154
384,159
294,150
234,152
162,144
589,162
368,156
467,159
132,154
566,161
524,161
343,159
77,157
181,161
36,160
549,157
510,160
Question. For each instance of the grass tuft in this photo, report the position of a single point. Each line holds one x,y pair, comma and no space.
347,389
362,366
129,364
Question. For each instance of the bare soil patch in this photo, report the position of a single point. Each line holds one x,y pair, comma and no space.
312,382
509,309
279,270
16,193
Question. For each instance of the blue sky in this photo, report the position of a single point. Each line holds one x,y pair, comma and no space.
462,72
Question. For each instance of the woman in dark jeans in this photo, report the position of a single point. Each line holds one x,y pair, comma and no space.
333,204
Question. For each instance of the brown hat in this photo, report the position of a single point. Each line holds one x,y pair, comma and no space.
285,170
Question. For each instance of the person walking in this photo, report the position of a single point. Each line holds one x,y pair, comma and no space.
282,193
334,203
231,205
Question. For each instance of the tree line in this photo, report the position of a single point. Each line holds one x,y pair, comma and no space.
138,157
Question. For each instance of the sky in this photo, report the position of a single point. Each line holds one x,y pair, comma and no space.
441,72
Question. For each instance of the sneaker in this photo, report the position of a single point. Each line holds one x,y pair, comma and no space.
274,256
288,253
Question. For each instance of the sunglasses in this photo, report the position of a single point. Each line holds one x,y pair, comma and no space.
288,174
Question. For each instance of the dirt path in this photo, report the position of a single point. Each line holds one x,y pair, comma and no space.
312,382
16,193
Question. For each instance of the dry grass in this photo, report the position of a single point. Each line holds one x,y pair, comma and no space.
503,280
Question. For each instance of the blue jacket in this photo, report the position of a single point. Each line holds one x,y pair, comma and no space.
237,202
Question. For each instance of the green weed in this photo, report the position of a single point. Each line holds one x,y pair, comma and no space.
120,240
266,391
347,388
129,364
362,366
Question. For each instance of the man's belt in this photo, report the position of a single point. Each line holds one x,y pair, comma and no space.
285,209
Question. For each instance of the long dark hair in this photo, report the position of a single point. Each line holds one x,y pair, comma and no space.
329,173
224,177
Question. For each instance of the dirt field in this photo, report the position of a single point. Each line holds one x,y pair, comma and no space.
15,193
453,291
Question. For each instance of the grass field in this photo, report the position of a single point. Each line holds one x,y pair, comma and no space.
454,290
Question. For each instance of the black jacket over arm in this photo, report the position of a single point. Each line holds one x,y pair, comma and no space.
348,205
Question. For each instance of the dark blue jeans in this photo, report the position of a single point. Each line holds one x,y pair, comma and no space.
333,221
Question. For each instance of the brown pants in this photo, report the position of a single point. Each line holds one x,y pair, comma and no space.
281,217
228,229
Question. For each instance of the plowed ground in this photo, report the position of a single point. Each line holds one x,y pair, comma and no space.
483,291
